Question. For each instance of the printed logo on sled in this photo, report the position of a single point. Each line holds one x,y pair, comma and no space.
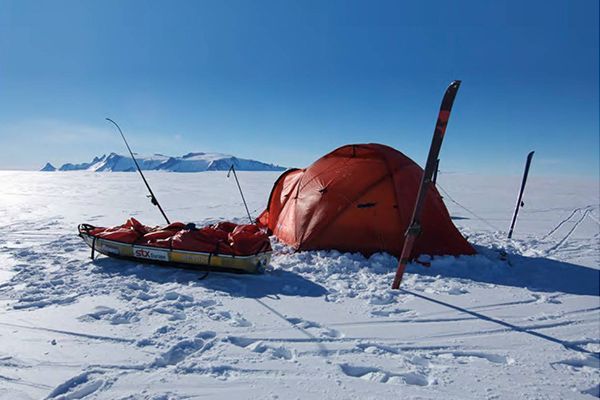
111,249
150,254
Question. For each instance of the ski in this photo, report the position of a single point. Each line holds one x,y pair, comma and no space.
436,170
520,198
414,229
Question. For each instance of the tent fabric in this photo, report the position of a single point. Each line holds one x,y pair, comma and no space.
359,198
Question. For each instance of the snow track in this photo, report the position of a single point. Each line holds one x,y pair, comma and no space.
584,213
562,222
317,324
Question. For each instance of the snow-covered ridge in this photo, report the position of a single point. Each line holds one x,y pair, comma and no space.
191,162
48,168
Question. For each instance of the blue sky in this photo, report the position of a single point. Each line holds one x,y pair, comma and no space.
288,81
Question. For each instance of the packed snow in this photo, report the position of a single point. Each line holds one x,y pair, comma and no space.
191,162
313,325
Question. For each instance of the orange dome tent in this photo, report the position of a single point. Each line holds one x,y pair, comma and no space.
359,198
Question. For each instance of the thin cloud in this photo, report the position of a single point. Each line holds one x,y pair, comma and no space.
50,131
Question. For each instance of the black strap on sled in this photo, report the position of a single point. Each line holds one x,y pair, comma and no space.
93,246
87,228
208,266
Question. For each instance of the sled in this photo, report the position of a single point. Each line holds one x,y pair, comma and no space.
136,242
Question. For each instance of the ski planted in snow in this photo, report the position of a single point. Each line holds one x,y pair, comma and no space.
152,197
520,198
436,170
414,229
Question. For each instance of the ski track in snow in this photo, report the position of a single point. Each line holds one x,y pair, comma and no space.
324,322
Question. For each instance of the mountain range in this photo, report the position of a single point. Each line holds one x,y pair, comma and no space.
191,162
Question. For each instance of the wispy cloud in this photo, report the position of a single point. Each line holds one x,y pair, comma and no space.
550,161
53,131
28,144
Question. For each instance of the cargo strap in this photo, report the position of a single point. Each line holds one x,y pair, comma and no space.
208,263
207,268
93,246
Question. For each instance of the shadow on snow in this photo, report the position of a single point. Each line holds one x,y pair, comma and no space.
507,325
537,274
271,283
534,273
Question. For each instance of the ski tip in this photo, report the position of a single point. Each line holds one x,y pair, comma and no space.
530,154
448,99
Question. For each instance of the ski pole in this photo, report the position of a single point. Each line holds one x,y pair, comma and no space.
152,197
232,169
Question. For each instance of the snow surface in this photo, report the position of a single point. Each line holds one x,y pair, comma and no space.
191,162
314,325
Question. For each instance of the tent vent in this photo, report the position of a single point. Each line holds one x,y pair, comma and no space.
366,205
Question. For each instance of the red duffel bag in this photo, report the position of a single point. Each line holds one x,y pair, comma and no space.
161,236
249,239
206,240
129,232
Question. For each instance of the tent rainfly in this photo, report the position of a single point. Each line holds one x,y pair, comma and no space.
359,198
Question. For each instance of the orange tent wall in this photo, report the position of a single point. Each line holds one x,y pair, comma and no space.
359,198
